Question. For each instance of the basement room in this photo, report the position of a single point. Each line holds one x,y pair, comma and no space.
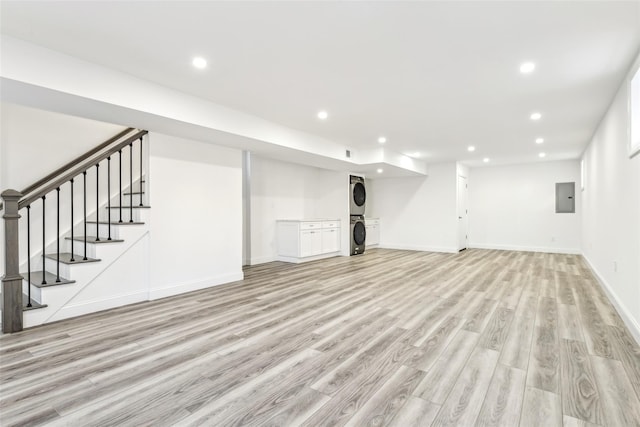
320,213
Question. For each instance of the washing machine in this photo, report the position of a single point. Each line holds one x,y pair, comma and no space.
358,234
358,195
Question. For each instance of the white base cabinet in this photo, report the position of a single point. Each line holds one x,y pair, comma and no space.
307,240
372,226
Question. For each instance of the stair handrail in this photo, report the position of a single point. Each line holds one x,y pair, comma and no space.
14,201
75,167
78,169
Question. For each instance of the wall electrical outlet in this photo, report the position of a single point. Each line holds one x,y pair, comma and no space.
553,239
615,266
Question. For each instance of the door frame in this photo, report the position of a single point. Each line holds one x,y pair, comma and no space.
462,211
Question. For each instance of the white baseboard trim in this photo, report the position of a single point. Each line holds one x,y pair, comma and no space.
418,248
297,260
551,250
262,260
627,318
182,288
87,307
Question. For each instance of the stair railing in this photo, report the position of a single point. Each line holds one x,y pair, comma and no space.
12,290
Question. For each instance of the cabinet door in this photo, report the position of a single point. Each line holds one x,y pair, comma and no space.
330,240
373,235
310,243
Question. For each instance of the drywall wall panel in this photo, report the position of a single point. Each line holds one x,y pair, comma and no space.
417,213
196,215
611,205
513,207
282,190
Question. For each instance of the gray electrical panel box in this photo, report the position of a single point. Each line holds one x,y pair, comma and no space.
565,197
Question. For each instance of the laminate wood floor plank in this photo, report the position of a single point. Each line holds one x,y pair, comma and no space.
580,394
298,408
424,356
387,401
575,422
349,399
423,331
517,345
514,289
628,352
443,374
496,331
544,363
392,337
503,402
479,319
463,404
564,287
415,412
619,401
569,326
541,408
593,325
361,361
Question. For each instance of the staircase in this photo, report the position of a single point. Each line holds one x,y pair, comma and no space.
66,231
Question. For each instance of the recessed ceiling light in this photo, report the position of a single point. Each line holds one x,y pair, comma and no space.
486,160
382,140
539,140
542,154
527,67
471,148
536,116
416,154
322,115
379,170
199,62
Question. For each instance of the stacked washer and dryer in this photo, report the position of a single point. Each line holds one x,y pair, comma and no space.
358,197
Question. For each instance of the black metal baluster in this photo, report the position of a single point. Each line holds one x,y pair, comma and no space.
84,178
140,171
131,182
58,232
29,256
120,172
44,281
109,197
97,202
72,257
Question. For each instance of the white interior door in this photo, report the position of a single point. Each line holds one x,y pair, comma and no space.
463,212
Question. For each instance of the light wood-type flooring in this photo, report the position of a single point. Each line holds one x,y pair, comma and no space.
394,338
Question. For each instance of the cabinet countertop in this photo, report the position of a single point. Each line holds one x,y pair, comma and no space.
308,220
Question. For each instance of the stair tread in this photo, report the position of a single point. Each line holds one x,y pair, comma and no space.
129,207
65,258
34,305
117,223
92,239
36,279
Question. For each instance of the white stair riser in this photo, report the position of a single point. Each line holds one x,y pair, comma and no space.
103,230
78,248
126,214
126,199
36,295
50,266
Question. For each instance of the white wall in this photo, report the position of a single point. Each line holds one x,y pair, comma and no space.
513,207
34,143
196,215
282,190
417,213
611,203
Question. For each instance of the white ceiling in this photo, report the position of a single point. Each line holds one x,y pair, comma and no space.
433,77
